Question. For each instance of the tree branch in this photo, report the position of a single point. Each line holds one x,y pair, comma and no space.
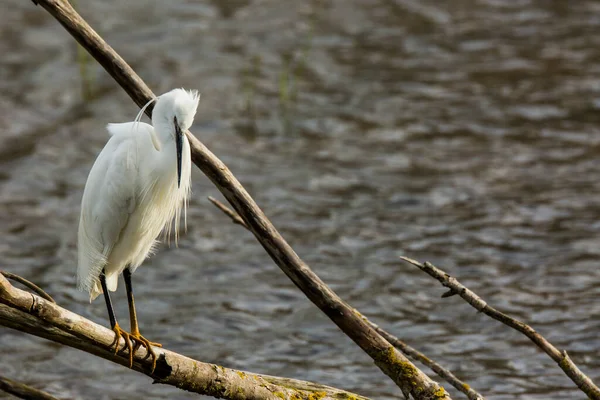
40,292
582,381
415,354
393,363
29,313
235,218
23,391
393,340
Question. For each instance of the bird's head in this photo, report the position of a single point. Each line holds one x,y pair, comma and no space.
177,105
174,114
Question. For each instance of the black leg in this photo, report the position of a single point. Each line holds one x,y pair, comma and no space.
135,330
111,311
119,333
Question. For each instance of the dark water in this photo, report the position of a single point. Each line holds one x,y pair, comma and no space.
465,133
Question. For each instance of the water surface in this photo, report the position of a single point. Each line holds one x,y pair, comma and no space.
464,133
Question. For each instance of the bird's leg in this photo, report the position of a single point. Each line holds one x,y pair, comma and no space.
135,330
119,333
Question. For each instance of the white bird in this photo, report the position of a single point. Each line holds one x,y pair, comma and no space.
137,188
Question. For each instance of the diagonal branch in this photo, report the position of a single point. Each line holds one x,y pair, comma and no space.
393,363
415,354
582,381
393,340
235,218
29,313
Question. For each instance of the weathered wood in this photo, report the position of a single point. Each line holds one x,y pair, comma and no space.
582,381
29,313
23,391
436,367
32,286
393,363
413,353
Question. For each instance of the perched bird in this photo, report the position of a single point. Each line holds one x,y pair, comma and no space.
137,188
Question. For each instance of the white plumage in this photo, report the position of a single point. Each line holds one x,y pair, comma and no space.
132,192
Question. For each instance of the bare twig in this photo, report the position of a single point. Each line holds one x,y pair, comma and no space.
393,340
26,283
235,218
582,381
392,362
23,391
28,313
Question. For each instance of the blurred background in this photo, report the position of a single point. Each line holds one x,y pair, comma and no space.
461,132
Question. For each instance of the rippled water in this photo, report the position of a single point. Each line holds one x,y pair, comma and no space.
464,133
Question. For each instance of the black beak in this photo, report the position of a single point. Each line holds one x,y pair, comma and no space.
179,145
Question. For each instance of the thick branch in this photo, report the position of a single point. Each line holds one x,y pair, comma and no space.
393,340
23,391
29,313
582,381
393,363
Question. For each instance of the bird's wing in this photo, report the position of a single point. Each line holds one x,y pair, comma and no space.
110,196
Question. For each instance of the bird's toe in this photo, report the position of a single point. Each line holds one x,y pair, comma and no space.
120,333
142,341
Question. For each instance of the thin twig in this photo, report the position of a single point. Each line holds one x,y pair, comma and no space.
415,354
582,381
411,380
29,313
393,340
23,391
235,218
30,285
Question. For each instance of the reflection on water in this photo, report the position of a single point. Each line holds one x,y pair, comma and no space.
464,133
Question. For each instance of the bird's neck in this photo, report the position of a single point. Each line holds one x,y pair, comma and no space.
163,137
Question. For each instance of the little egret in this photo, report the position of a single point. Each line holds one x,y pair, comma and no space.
136,188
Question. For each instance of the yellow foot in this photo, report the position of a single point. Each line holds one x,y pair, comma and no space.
120,333
133,343
142,341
